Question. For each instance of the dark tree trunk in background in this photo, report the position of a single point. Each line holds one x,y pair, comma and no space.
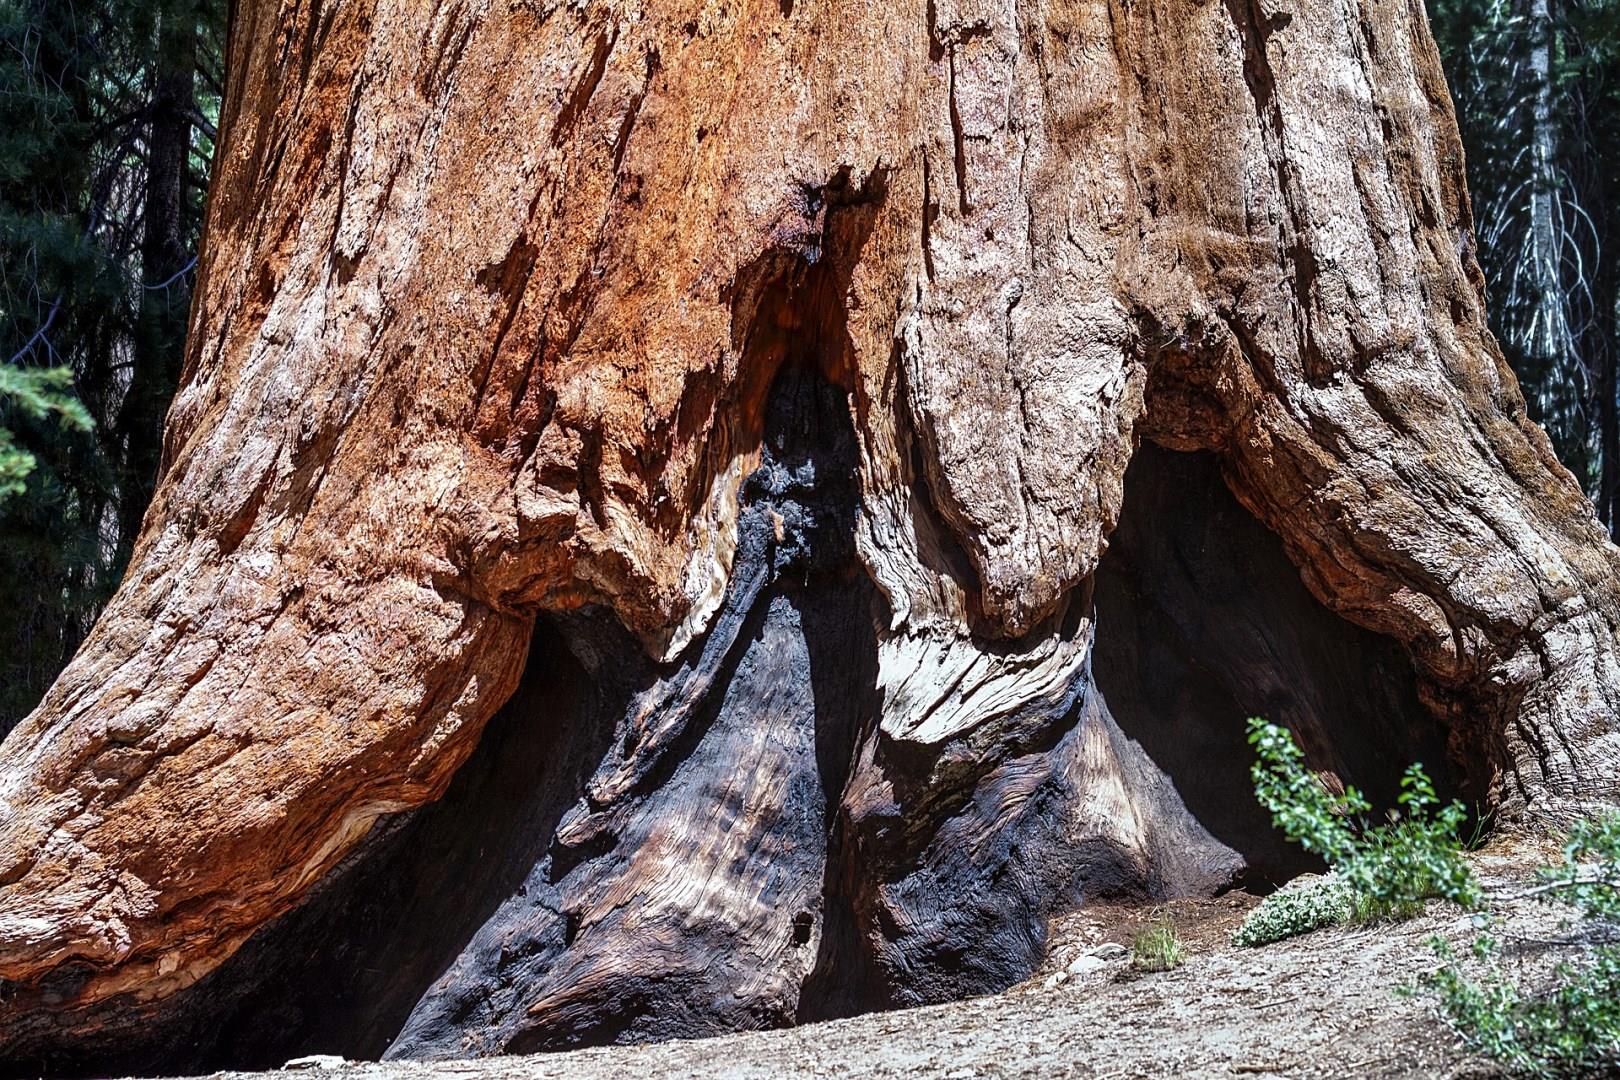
159,339
1609,430
102,210
634,533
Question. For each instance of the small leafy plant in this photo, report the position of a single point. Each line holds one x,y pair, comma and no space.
1383,871
1157,948
1298,908
1572,1027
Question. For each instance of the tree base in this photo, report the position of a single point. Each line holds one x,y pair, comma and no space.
642,851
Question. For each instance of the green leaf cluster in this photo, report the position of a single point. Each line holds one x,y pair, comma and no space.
1570,1027
1297,908
1380,871
1573,1029
37,393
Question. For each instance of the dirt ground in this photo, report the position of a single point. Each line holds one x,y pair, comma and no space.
1323,1005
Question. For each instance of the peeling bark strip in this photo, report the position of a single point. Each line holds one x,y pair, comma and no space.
494,298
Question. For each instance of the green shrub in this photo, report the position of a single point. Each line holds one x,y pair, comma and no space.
36,393
1157,948
1417,856
1386,871
1297,908
1571,1028
1589,878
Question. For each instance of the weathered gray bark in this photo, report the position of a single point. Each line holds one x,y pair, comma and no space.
783,363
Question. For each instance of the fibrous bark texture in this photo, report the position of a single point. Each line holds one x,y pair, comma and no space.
782,362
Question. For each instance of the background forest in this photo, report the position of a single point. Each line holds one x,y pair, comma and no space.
107,114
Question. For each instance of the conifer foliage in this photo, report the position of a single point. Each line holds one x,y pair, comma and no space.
107,112
1537,89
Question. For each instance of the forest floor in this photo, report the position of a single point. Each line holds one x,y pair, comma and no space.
1322,1005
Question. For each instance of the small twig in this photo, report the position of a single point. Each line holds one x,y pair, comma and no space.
202,123
1555,886
39,335
176,276
1604,939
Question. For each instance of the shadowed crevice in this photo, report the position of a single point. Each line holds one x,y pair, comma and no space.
339,974
1202,622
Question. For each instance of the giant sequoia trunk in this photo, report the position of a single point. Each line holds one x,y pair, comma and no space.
630,554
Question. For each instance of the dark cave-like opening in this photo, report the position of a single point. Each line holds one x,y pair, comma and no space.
340,974
483,883
417,941
1203,622
443,934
